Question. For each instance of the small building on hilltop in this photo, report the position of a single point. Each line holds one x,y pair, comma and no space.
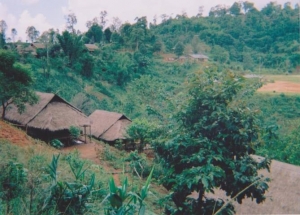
91,47
198,57
51,118
109,126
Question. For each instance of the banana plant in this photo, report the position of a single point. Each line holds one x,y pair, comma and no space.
124,202
67,197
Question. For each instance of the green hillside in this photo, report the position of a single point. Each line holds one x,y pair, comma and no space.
202,118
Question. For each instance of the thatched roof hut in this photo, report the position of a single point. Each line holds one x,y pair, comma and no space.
282,197
51,113
109,126
198,57
38,45
91,47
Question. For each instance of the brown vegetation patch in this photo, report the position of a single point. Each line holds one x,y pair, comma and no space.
14,135
281,87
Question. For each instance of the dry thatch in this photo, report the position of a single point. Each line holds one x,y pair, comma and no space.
108,126
31,111
199,56
91,47
282,197
117,131
50,113
58,116
38,45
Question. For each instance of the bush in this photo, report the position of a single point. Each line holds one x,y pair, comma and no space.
74,132
56,143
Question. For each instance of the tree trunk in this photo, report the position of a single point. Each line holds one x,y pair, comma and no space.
3,110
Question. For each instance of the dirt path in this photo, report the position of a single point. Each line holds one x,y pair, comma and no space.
281,87
88,151
91,151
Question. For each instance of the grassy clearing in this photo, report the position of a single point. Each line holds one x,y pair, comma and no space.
288,78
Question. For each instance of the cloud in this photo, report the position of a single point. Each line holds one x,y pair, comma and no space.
30,1
39,21
23,21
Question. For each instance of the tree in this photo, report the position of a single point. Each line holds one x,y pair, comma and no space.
3,27
200,11
32,33
179,49
71,20
107,34
142,130
235,9
248,6
13,34
212,146
47,38
71,45
15,83
95,33
103,19
116,24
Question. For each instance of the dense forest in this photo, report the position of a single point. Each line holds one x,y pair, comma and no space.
188,110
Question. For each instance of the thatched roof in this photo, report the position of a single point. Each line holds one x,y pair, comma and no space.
108,126
58,116
117,131
198,56
91,47
38,45
50,113
31,111
282,197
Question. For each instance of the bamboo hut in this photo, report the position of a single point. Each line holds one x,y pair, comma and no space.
49,119
109,126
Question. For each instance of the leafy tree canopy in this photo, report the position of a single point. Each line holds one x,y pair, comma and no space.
15,83
211,148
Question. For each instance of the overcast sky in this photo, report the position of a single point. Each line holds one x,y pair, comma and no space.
45,14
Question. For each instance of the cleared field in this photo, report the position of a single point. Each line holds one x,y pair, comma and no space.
281,84
287,78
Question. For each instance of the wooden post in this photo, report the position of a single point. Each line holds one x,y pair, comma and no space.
90,133
84,134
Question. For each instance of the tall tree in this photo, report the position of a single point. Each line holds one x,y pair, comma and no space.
103,20
71,45
71,21
94,33
13,34
235,9
179,48
3,27
116,24
15,83
32,33
212,145
107,34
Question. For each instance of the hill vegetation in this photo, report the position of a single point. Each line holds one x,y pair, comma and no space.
128,72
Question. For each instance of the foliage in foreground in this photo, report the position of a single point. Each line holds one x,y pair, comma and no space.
212,146
38,188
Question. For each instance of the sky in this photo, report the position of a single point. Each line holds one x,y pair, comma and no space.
46,14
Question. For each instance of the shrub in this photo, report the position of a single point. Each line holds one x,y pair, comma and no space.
74,132
56,143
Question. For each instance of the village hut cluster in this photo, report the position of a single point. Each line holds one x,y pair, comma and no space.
52,117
